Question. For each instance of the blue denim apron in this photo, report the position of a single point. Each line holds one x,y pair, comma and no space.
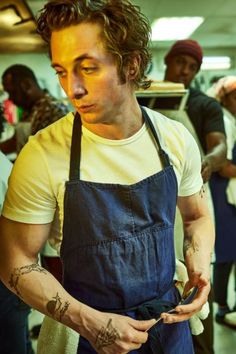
117,249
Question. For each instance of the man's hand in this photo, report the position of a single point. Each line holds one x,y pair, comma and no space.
207,169
110,333
184,312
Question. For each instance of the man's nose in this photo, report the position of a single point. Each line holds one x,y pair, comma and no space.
75,87
186,69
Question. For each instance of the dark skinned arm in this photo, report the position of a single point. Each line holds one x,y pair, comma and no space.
215,158
228,170
8,146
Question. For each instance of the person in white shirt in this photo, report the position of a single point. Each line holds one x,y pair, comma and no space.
223,186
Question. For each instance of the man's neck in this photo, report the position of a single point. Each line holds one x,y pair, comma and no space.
125,124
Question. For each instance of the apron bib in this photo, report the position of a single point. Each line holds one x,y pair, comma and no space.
117,249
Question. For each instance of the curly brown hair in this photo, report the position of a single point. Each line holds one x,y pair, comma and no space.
126,31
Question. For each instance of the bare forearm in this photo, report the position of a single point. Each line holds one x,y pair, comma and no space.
217,157
228,170
38,288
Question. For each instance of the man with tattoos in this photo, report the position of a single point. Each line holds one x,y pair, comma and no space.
183,62
115,172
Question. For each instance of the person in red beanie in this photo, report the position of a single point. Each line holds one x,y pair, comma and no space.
183,62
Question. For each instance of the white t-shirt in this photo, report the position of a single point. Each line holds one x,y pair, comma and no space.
37,183
230,131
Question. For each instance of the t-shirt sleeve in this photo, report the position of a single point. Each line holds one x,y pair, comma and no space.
213,117
191,179
30,198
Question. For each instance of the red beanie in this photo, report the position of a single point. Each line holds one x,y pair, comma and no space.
188,47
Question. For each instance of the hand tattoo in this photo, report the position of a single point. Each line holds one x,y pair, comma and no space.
55,307
19,272
107,336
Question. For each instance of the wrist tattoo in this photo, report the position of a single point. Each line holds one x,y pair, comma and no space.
202,191
56,308
107,335
19,272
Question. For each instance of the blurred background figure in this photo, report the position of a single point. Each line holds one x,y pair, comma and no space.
39,108
205,116
223,187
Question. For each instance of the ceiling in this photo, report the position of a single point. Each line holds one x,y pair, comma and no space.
217,31
18,28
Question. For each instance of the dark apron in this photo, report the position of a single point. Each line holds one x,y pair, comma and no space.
118,251
225,218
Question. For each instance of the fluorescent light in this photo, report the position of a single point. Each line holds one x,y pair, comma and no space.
8,17
214,63
174,28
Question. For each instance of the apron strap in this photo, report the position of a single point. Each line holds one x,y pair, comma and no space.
163,155
75,149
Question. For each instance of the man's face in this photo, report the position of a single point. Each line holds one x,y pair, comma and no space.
88,73
181,69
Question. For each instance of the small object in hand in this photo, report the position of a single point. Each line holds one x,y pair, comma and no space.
185,300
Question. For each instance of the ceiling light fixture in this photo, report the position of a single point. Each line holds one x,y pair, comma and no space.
216,63
174,28
9,17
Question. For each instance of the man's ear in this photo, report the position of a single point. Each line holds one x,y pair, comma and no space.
133,67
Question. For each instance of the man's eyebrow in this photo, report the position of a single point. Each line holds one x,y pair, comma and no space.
76,60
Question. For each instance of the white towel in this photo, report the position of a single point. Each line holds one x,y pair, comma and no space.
195,322
55,338
231,191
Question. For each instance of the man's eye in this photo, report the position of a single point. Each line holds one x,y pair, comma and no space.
60,73
88,69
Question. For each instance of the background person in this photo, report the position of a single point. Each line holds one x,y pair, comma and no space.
39,108
224,91
183,62
116,206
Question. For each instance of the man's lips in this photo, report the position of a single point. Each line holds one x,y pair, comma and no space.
85,108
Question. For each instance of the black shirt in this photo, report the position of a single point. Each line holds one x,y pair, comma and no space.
205,114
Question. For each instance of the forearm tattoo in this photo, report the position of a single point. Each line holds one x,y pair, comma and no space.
19,272
56,308
107,335
190,244
202,192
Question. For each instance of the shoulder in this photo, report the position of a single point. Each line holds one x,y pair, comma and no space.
198,97
174,137
54,134
168,128
49,148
